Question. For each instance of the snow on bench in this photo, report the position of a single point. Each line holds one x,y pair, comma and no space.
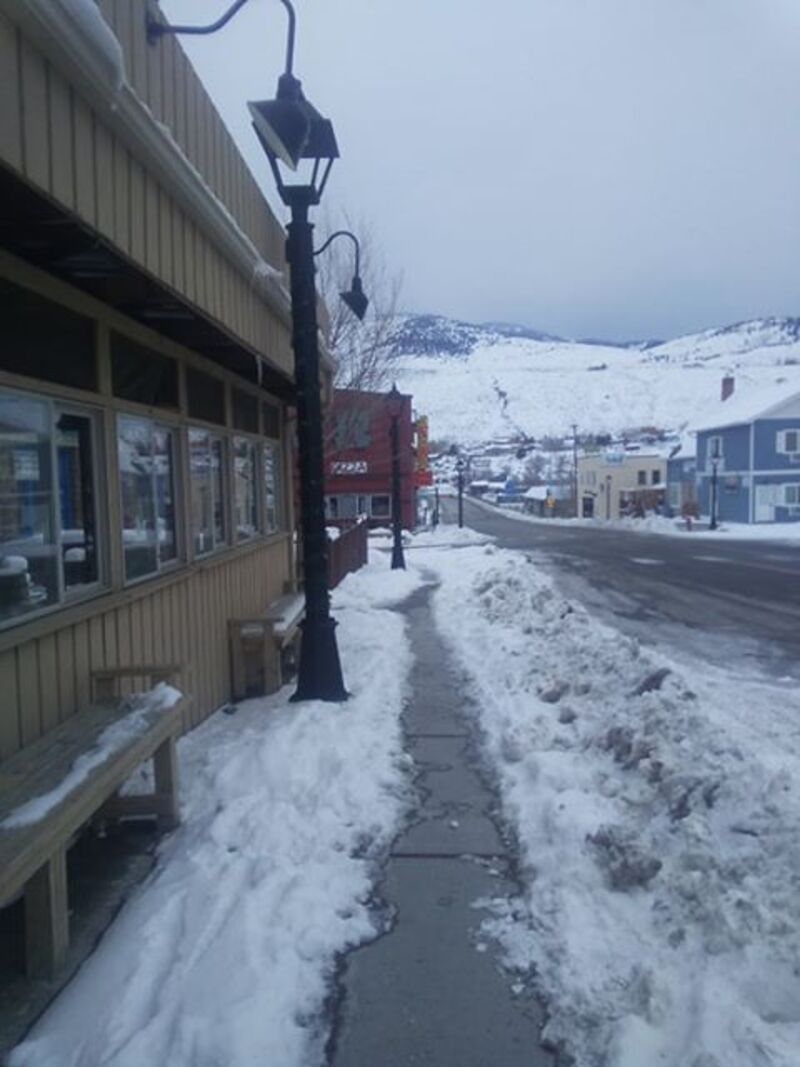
51,788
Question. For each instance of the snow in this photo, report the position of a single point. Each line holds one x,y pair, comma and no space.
660,524
13,564
514,388
658,817
87,16
744,408
111,740
226,954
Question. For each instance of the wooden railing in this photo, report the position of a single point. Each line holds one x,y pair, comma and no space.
347,553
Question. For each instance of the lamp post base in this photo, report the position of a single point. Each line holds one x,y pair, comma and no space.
319,675
398,560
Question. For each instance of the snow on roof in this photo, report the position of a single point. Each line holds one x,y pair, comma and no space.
686,448
747,406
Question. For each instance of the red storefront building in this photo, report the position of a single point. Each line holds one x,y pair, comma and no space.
358,459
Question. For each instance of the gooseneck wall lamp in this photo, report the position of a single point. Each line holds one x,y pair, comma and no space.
354,297
293,133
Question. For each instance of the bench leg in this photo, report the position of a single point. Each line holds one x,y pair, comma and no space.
165,768
47,918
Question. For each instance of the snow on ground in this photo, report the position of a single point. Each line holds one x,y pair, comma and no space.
225,954
658,815
659,524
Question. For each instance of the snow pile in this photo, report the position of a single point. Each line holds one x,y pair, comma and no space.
659,823
91,24
138,719
225,955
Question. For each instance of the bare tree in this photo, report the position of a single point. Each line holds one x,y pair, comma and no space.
361,349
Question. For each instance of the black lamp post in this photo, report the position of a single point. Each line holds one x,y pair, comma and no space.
714,493
394,402
460,465
292,131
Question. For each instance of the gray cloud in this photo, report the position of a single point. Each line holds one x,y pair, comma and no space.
606,167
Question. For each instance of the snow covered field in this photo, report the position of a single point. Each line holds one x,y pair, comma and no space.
224,955
658,816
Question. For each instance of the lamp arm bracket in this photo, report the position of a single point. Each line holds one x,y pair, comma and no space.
342,233
157,29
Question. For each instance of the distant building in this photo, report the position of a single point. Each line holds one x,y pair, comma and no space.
612,484
358,460
749,450
548,501
682,478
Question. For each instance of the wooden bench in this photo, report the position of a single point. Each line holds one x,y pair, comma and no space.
258,644
53,787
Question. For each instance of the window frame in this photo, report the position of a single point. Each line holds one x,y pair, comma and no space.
68,597
224,471
277,466
783,442
179,559
258,527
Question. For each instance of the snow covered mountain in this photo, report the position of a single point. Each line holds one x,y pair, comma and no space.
484,382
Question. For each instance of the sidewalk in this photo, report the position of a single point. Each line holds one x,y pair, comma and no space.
430,991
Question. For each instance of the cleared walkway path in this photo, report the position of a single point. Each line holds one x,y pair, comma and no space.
423,994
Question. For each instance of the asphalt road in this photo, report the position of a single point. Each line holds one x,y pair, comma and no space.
721,601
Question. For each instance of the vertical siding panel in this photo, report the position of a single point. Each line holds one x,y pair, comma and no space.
9,709
85,186
138,194
97,643
65,651
155,89
105,175
135,610
10,112
139,48
110,646
48,683
83,665
165,237
36,156
151,224
160,652
61,143
178,262
122,198
124,635
180,76
147,604
28,682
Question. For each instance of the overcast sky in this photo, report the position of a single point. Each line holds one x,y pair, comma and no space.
605,168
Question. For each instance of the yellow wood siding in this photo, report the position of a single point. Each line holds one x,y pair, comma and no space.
50,135
46,679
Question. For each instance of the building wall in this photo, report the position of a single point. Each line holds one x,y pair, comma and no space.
178,617
358,462
607,478
756,481
80,153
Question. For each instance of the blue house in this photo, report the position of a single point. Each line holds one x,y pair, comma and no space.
682,478
750,450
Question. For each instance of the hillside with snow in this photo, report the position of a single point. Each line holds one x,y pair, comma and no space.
480,383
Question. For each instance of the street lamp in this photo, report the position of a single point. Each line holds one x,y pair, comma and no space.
714,493
460,467
291,132
394,403
354,297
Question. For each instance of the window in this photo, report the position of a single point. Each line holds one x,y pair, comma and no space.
273,516
791,495
272,421
147,486
715,448
245,504
207,482
380,507
205,397
789,442
48,521
641,477
245,411
141,375
44,340
655,477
